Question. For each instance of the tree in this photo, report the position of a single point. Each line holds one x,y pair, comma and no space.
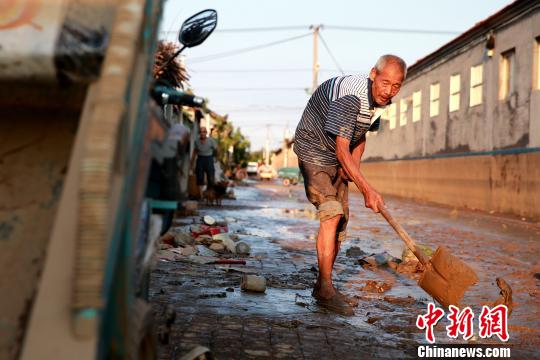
226,136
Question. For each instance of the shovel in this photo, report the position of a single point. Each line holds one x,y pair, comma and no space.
445,278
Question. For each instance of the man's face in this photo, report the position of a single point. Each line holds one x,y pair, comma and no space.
204,133
387,83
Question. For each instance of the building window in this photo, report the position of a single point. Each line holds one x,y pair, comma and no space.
434,91
391,115
507,74
537,54
403,112
455,87
476,85
417,106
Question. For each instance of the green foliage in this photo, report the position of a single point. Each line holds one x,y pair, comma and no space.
226,135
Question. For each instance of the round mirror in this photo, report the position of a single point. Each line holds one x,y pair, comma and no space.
198,27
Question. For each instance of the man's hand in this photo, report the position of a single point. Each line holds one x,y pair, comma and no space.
373,199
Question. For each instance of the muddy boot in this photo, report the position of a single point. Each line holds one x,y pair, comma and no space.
336,304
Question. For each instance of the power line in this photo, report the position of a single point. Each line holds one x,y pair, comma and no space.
244,50
333,27
262,109
331,55
269,70
253,89
393,30
252,29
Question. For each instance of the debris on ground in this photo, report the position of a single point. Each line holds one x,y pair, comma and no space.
181,239
374,261
355,252
198,353
376,286
218,247
209,220
403,301
408,255
253,283
213,295
242,248
204,251
409,267
506,295
374,319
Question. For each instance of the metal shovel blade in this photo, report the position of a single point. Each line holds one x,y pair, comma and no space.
446,278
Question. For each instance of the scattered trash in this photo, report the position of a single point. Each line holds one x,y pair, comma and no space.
408,255
230,219
355,251
181,239
204,251
186,250
219,247
253,283
227,241
377,260
202,260
506,295
376,286
374,319
213,295
409,267
203,229
166,255
167,238
209,220
242,248
204,239
198,353
165,246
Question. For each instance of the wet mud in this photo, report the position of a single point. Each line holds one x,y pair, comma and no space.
284,322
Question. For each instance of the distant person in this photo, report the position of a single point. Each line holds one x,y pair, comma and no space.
204,152
329,141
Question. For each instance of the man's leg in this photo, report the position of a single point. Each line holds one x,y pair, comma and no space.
326,256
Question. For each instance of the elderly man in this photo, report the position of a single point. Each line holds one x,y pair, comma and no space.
329,141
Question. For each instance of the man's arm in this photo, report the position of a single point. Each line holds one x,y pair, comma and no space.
191,165
358,151
351,165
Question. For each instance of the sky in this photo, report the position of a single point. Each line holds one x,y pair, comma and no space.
264,91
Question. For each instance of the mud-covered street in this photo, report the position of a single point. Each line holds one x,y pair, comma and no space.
202,304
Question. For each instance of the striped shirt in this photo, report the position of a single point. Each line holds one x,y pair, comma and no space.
341,106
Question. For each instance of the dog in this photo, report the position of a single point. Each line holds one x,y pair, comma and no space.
215,193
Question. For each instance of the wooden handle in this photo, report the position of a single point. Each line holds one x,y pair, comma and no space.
404,236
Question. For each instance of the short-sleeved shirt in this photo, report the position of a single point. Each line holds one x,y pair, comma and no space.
207,148
341,106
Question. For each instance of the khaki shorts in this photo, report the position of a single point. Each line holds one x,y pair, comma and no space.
329,192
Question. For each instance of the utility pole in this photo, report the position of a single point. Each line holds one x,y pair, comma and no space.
315,29
267,147
286,143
